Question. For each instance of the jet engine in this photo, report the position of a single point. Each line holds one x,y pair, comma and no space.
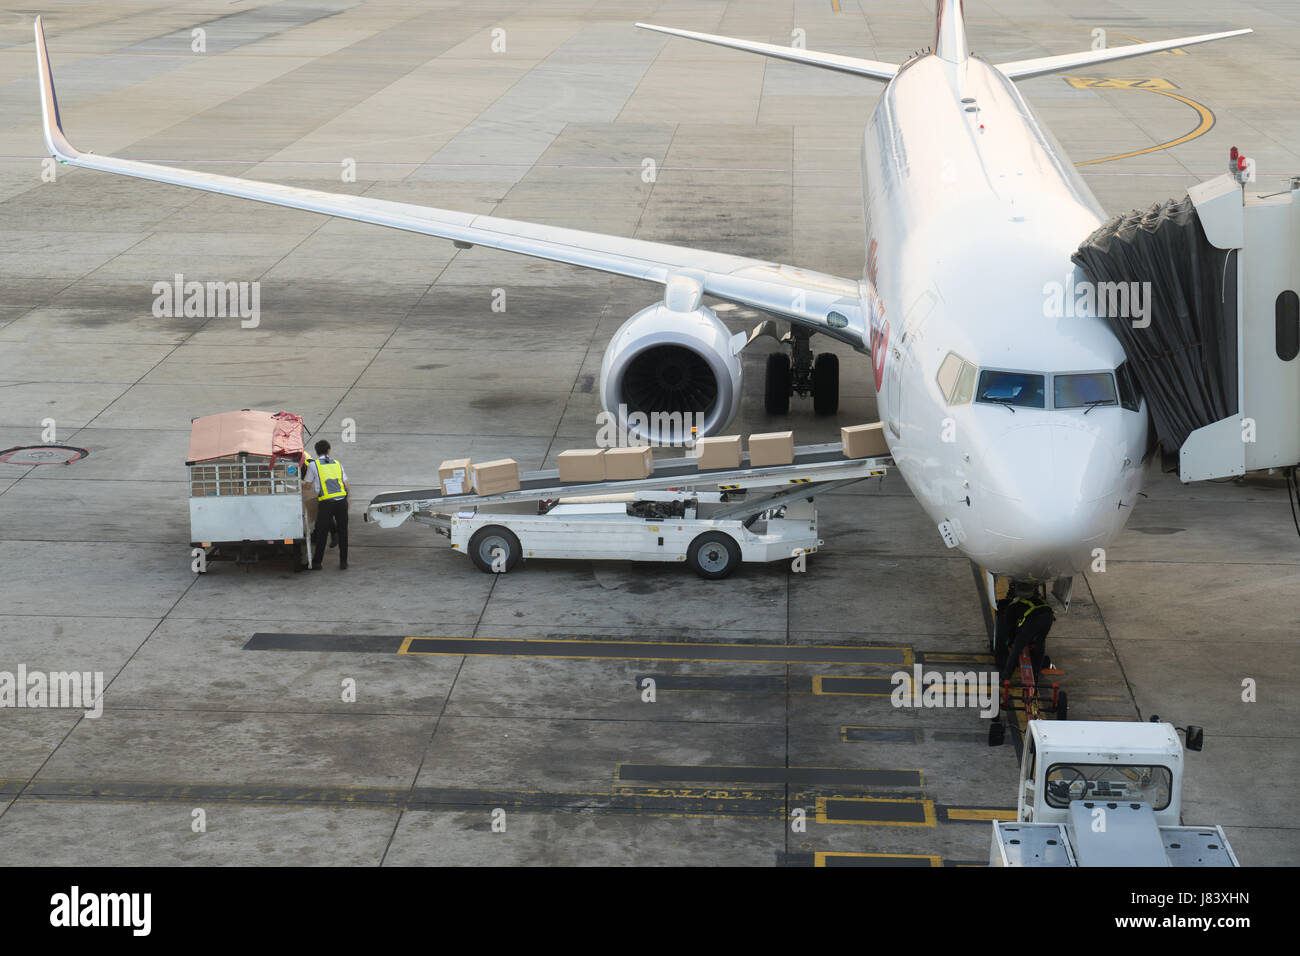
666,372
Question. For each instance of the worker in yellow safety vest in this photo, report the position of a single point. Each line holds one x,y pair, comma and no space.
1024,623
329,481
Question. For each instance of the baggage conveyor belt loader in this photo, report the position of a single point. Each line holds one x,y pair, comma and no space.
711,520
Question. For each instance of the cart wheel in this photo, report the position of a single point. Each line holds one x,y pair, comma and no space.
1062,706
713,555
489,545
997,733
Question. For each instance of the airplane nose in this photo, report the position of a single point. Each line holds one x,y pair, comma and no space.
1048,491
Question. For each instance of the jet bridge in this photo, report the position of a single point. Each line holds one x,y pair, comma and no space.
1216,352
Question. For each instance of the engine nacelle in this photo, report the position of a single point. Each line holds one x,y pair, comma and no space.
665,372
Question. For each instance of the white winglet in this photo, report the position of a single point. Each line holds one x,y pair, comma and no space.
1023,69
830,61
55,141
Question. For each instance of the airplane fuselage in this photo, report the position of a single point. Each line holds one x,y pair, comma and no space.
972,213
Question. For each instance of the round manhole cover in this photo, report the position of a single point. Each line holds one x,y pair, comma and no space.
42,455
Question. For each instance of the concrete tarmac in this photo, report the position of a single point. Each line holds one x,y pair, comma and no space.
397,336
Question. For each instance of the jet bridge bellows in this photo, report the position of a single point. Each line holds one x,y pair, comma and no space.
1214,346
1185,360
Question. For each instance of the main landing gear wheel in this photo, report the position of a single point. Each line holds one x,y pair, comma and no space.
494,549
776,393
826,384
713,555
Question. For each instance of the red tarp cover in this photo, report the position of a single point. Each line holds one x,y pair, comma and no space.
270,435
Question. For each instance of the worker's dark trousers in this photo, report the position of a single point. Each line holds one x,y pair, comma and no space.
1032,632
331,515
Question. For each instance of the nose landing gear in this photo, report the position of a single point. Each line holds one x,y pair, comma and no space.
800,374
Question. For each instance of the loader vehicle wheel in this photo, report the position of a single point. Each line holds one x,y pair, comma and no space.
997,733
1062,706
713,555
494,549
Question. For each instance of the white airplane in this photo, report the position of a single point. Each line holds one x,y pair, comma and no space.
1021,435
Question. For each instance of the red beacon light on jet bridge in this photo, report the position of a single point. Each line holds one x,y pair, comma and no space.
1242,168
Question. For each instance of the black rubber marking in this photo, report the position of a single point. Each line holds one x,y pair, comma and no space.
775,684
885,811
770,775
890,861
658,650
357,643
883,686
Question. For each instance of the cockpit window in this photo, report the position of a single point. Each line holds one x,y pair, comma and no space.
1129,396
965,385
1087,388
1125,783
956,379
1011,388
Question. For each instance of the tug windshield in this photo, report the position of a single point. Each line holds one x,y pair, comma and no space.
1067,782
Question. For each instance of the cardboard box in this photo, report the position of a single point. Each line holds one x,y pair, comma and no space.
454,477
722,451
494,477
624,463
771,448
864,441
582,464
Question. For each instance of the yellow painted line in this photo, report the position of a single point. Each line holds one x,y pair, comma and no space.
927,809
979,815
1204,126
958,659
406,645
835,5
820,857
1120,83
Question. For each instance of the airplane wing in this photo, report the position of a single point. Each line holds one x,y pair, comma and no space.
1023,69
830,61
826,303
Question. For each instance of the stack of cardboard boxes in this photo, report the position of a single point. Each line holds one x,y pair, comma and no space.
459,476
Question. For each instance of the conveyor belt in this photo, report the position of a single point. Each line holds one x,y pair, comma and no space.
811,463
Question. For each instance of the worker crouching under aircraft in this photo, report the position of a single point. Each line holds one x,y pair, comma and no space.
1023,622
